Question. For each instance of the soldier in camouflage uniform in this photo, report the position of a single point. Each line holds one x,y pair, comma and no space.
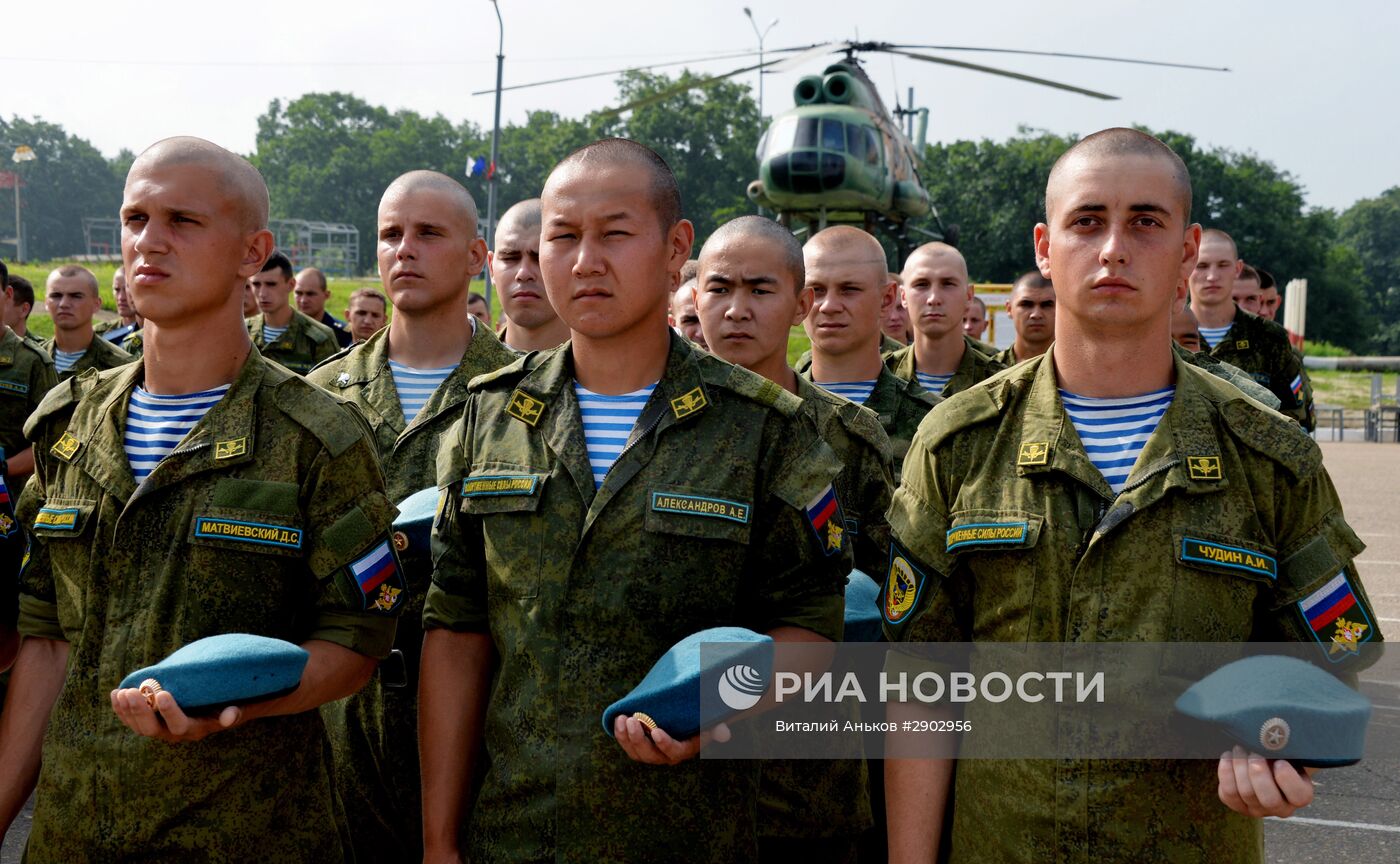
1032,310
937,291
750,291
1259,347
26,374
269,517
305,342
845,270
1075,561
579,580
70,296
374,734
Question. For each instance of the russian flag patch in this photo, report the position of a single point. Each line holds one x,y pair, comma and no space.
824,514
378,577
1297,386
1336,618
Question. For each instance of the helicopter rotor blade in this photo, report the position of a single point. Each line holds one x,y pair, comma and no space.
991,70
809,53
682,87
1064,54
588,75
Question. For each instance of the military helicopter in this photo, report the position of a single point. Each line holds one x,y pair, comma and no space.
839,156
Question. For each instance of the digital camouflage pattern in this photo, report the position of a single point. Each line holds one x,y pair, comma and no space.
374,734
1262,350
1228,372
100,355
306,344
26,374
802,798
975,366
582,591
1059,558
133,343
126,575
900,406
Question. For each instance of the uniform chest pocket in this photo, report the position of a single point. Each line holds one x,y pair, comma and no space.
1219,579
507,504
999,549
700,513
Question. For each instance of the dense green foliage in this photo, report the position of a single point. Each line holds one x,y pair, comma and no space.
328,156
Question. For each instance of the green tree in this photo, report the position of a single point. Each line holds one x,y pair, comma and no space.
67,181
1371,228
329,157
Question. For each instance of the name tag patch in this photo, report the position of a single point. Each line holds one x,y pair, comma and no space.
699,505
14,387
1234,557
499,484
987,534
58,518
248,532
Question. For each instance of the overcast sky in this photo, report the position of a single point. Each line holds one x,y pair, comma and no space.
1313,88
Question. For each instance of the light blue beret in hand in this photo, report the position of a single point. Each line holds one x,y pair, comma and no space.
229,669
741,669
1281,708
414,527
862,609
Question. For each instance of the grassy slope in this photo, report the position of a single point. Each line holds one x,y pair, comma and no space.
1344,389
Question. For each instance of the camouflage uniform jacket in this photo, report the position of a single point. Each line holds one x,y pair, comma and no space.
889,345
305,344
975,366
1226,372
374,734
1261,348
26,374
701,522
899,404
1078,564
253,525
100,355
133,343
804,798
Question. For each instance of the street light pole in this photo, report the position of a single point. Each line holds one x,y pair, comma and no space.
748,13
495,147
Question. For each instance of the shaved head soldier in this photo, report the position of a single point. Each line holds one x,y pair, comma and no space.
515,270
311,292
752,291
1032,310
1187,461
851,289
250,502
1248,290
628,427
1259,347
1269,297
367,313
894,323
410,380
71,298
127,321
942,358
683,316
21,303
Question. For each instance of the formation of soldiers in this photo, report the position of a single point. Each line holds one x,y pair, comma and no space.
451,713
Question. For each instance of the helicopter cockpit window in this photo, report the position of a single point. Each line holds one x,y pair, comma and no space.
855,141
833,135
872,145
806,133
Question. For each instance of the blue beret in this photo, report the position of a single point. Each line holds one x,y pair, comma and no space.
414,526
862,608
224,670
669,695
1282,708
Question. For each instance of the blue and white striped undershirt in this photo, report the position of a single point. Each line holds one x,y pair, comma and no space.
1114,431
1215,335
155,425
272,334
607,424
933,383
416,386
856,391
65,360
